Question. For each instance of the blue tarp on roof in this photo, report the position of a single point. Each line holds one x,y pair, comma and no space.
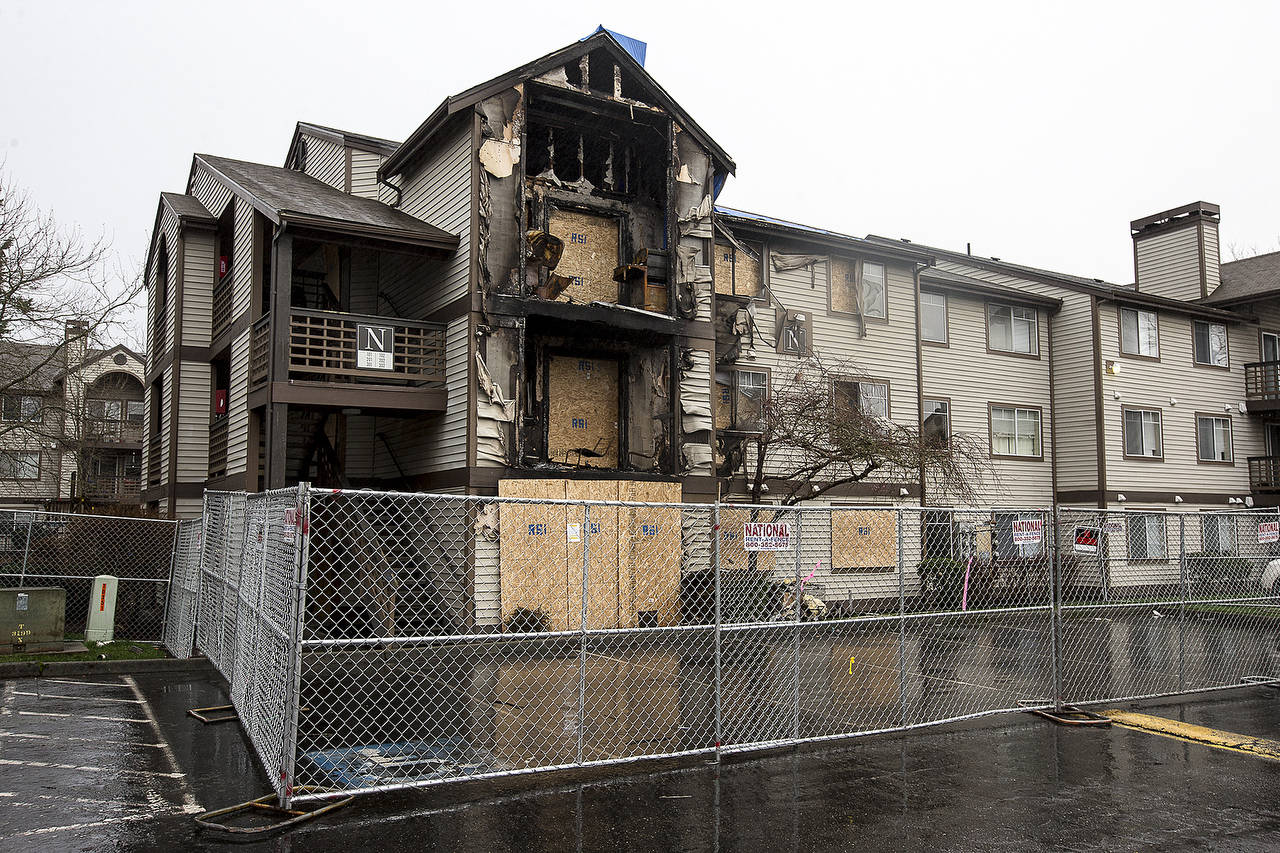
635,47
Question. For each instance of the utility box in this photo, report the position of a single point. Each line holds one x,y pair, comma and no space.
100,624
32,619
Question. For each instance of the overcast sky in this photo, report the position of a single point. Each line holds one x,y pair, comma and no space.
1034,132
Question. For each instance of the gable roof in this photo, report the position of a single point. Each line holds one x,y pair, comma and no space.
600,39
96,355
1247,279
286,195
835,239
345,138
952,281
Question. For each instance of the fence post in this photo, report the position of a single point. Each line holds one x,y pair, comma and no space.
715,568
582,629
1055,610
902,621
795,733
168,590
26,550
293,693
1182,605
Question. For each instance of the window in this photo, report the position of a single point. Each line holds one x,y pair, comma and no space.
105,410
1146,535
19,465
1210,340
1218,533
1213,438
795,333
133,411
22,408
1139,333
1006,547
1011,329
160,302
873,399
874,294
752,385
1270,349
737,272
1015,431
933,317
1142,433
937,533
936,426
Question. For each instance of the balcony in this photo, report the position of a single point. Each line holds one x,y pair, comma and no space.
341,359
120,488
218,448
1262,386
222,305
114,432
1264,473
153,461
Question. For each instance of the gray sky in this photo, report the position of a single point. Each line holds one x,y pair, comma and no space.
1033,131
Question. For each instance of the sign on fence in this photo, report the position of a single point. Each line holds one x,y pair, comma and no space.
766,536
1028,531
1268,531
1086,540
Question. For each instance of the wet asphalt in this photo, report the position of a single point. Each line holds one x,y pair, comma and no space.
117,765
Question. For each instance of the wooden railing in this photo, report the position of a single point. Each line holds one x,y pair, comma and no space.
218,447
116,489
153,461
323,346
1264,473
114,431
1262,380
222,305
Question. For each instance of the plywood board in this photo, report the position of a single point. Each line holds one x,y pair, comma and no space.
865,539
844,285
533,551
724,268
582,395
724,405
737,272
590,254
649,554
600,536
732,553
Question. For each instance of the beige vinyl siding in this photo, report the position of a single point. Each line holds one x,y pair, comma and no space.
1169,263
197,288
188,508
237,406
1212,256
215,197
193,422
1151,384
973,378
364,174
166,413
326,161
439,192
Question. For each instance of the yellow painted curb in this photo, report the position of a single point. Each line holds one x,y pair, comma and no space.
1257,746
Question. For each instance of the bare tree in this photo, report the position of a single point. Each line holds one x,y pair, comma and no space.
817,432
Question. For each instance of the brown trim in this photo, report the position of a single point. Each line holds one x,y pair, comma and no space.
1053,411
946,316
986,322
1120,309
915,292
473,288
175,391
1231,431
1226,329
349,395
1099,416
346,179
991,443
1090,496
1204,274
1124,444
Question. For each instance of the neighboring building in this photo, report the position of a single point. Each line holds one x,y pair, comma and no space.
538,284
71,424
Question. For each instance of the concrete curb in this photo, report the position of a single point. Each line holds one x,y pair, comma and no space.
35,669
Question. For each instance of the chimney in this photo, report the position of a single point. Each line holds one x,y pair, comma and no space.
75,346
1175,252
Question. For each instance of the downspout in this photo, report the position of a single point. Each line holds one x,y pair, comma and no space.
915,275
395,189
1053,421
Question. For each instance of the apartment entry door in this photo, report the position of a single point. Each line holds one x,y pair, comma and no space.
1270,346
1273,439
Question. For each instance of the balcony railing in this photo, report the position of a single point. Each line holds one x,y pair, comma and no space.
222,305
1264,473
218,448
109,431
324,346
118,488
153,461
1262,381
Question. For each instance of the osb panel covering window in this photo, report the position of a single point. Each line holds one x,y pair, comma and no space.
844,285
583,403
601,536
864,539
590,254
533,550
649,554
733,555
736,272
724,405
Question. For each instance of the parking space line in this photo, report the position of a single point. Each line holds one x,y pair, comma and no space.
46,830
90,683
34,736
189,804
1259,747
74,698
80,716
13,762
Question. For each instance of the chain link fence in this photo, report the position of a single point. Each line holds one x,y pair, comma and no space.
69,550
184,588
376,641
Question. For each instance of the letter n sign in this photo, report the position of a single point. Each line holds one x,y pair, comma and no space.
375,347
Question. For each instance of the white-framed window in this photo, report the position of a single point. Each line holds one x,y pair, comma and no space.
873,399
1213,438
1143,434
1218,533
935,427
19,465
874,291
1139,332
1146,537
1015,431
933,317
750,389
1005,546
1012,329
22,408
1210,343
134,410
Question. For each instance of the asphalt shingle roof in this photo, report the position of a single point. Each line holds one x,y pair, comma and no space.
1250,278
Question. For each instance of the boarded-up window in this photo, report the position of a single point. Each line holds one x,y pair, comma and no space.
590,254
737,273
847,276
864,540
582,426
724,401
844,285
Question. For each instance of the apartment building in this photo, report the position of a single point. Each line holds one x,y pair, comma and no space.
70,423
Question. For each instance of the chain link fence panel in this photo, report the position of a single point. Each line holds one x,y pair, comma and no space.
69,550
184,589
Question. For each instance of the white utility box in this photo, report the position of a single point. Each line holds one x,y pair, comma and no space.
100,625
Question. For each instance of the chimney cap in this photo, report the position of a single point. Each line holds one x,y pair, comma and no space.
1188,212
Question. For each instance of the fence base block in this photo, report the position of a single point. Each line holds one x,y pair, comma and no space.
214,714
263,808
1070,715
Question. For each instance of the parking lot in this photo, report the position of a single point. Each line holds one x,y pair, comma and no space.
113,762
